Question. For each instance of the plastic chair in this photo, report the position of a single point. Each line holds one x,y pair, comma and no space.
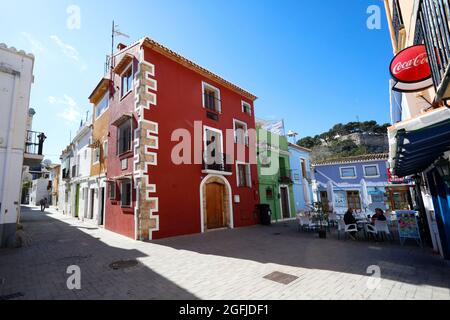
383,227
304,223
371,230
351,228
346,228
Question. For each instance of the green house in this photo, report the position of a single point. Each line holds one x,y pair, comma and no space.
275,175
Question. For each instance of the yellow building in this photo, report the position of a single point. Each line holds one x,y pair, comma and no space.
99,144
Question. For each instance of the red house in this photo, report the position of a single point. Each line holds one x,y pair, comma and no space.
180,147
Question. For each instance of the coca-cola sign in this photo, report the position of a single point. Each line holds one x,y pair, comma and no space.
411,70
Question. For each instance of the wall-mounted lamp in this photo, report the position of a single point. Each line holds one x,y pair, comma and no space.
443,167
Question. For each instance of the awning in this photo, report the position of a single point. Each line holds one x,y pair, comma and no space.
123,63
415,144
122,119
100,90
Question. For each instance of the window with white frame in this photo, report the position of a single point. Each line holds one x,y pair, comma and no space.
125,193
371,171
246,108
244,178
211,97
348,172
240,132
213,146
102,105
126,80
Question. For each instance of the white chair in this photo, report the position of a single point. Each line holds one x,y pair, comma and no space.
333,219
351,228
303,223
371,230
346,228
383,227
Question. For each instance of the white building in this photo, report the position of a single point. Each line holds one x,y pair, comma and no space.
40,190
76,170
16,77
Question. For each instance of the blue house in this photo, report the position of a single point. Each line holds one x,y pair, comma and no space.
361,183
300,162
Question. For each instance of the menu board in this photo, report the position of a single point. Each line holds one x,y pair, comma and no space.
408,227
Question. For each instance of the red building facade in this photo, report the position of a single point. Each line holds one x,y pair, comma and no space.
165,114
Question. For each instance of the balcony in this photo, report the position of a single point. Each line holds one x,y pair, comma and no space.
397,21
66,174
221,167
285,176
212,106
436,36
34,144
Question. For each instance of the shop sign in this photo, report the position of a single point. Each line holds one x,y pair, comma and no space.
411,70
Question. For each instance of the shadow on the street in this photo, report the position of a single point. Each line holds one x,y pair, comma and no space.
284,244
39,271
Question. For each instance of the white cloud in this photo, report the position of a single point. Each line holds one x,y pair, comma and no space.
70,110
36,45
69,51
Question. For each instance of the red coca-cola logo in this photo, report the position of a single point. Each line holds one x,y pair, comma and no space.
411,65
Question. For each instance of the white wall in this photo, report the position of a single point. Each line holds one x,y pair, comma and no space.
39,191
16,77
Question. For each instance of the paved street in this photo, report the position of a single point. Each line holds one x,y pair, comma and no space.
226,264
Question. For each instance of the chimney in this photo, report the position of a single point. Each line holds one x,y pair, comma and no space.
121,46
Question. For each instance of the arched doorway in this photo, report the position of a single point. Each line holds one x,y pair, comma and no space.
216,205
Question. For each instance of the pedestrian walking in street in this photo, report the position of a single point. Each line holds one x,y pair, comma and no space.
43,204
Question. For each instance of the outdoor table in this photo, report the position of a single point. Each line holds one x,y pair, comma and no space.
363,222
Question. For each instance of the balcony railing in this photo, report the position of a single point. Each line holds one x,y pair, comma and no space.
434,20
285,176
221,165
34,142
212,106
66,174
397,20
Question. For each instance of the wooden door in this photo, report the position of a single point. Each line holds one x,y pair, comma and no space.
285,202
215,217
353,200
324,201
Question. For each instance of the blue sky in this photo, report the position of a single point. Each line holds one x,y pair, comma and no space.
311,63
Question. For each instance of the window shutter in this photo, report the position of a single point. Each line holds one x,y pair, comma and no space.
249,175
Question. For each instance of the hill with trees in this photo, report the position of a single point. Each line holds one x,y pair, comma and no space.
346,140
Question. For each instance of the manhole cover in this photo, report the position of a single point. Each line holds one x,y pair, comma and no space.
277,234
281,277
118,265
11,296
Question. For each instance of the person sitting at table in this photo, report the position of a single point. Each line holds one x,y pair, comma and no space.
378,216
350,219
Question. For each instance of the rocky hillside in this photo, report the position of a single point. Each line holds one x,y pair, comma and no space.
346,140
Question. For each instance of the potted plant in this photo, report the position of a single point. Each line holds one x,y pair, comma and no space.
322,218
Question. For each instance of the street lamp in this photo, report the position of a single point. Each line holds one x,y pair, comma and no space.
443,167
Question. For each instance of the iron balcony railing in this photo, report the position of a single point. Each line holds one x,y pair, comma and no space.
34,142
397,21
286,176
434,20
66,174
212,106
219,163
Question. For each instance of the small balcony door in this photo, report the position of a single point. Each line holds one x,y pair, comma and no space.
213,140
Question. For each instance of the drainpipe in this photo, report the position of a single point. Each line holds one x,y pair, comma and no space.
137,233
391,26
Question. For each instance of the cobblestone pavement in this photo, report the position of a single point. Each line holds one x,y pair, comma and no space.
225,264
